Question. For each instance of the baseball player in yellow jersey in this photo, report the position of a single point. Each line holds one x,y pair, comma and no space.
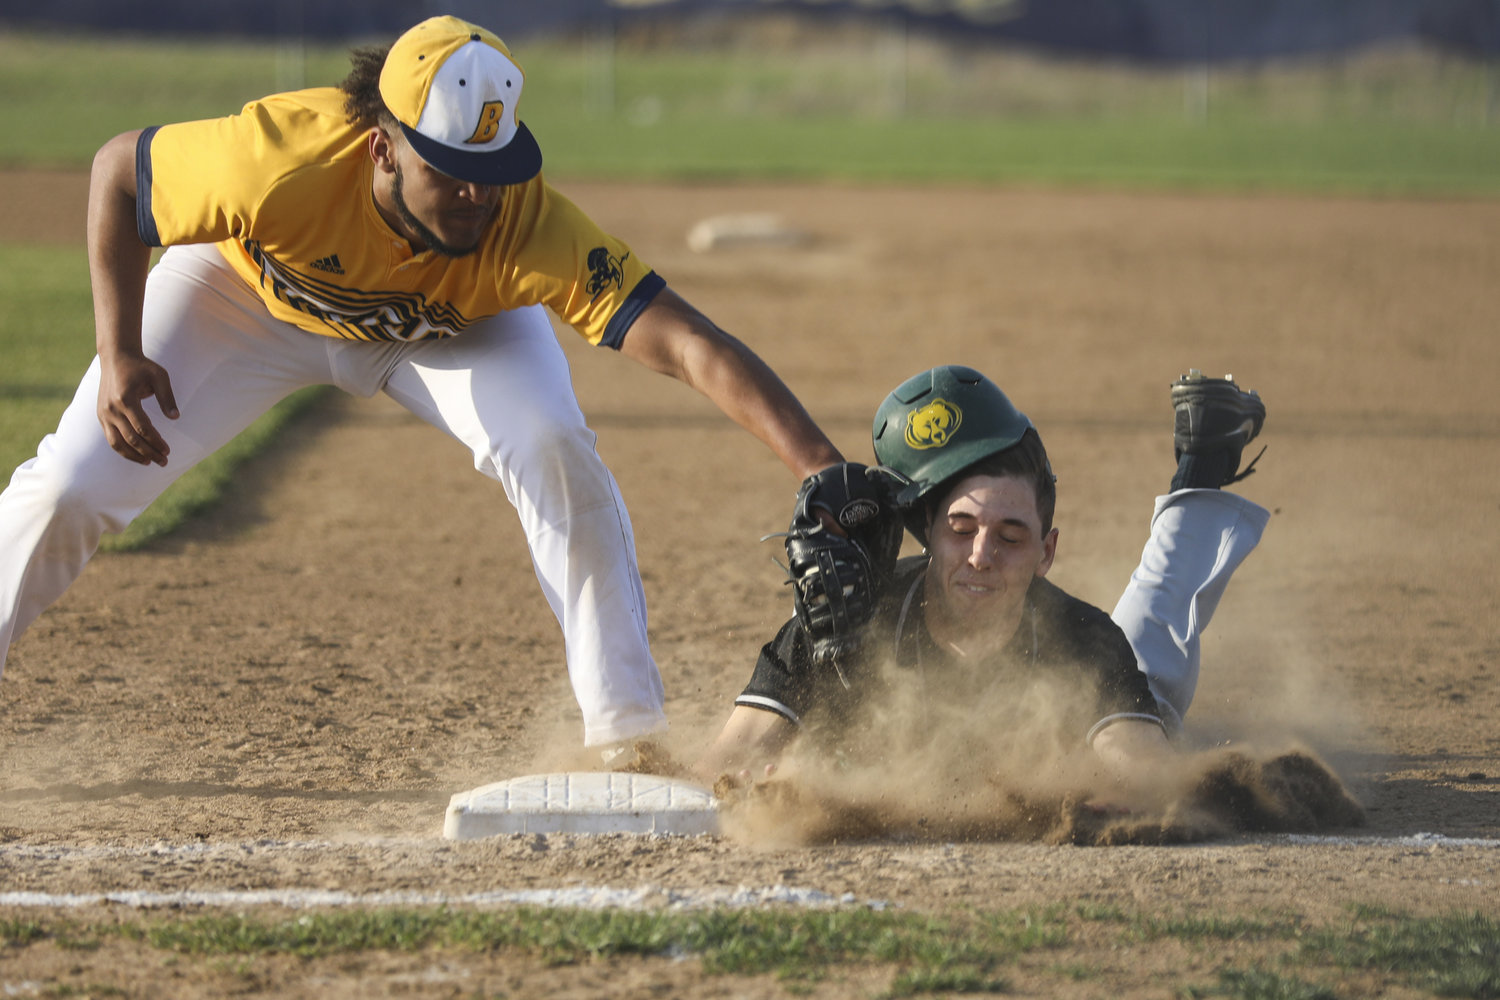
392,235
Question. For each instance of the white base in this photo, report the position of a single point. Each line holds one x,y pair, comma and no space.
752,229
582,802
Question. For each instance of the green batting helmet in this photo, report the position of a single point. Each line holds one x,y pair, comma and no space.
935,425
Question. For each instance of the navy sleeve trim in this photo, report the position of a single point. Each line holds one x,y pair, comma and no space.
624,318
145,222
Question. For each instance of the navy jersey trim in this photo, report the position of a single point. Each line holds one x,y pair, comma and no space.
624,318
145,222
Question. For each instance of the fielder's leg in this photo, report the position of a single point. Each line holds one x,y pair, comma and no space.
504,389
227,367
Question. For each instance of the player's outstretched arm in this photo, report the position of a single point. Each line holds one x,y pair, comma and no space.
673,338
1130,746
751,738
118,262
1135,755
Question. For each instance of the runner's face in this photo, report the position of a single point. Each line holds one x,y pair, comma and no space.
436,211
986,545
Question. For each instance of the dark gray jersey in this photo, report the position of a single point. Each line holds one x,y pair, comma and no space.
1060,638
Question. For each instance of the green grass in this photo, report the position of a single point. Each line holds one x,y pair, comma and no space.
1408,159
824,105
792,944
1207,928
1394,127
1452,955
1260,984
17,932
202,487
47,341
114,85
946,980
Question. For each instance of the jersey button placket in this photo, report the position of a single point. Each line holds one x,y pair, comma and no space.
401,255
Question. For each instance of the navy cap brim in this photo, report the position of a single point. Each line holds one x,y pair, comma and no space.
518,162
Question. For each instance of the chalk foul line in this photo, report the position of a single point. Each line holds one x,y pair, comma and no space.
589,898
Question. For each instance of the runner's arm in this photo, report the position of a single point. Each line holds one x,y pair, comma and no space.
750,736
1130,746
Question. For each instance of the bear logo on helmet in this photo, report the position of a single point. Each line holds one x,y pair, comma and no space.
932,426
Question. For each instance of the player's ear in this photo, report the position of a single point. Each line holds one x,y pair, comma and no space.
382,147
1049,552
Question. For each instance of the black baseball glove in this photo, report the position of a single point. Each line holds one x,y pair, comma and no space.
839,580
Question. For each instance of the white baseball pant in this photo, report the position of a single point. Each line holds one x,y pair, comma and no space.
503,388
1198,539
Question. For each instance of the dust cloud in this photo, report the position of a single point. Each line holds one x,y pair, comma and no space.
1270,745
1005,763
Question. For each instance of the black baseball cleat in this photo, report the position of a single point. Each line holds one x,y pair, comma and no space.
1215,417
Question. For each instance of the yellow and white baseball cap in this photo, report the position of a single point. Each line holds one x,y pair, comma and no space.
455,89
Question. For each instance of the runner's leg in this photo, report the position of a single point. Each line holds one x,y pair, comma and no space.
1198,539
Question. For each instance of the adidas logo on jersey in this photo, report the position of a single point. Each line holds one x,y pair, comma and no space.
330,264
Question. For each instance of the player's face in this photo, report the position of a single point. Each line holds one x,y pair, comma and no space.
986,545
434,210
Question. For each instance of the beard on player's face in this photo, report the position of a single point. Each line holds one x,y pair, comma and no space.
423,232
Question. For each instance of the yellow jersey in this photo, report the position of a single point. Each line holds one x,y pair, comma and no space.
284,188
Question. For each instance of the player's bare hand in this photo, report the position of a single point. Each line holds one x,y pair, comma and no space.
124,382
747,777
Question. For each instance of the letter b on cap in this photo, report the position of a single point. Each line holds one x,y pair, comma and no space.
490,118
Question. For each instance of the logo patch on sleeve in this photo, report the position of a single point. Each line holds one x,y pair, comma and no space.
605,271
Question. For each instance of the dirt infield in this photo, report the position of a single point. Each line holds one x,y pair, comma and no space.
358,634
